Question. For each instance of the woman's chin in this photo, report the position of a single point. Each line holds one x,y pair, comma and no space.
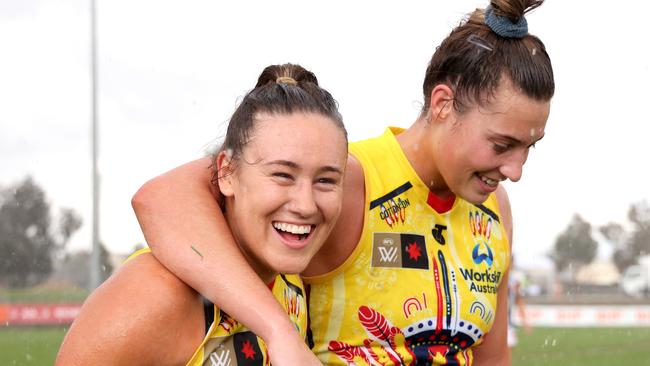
291,265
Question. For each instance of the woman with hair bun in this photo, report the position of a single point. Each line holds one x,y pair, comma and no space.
280,175
415,271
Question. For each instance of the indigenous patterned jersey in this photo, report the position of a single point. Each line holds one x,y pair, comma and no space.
229,343
420,288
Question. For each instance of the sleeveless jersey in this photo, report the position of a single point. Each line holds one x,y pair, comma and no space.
229,343
420,287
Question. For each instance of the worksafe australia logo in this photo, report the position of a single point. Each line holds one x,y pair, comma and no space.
399,251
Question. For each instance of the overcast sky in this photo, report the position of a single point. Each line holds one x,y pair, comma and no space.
171,73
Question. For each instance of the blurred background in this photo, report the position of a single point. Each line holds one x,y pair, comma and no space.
158,80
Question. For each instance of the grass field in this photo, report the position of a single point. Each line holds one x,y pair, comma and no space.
29,345
583,346
544,346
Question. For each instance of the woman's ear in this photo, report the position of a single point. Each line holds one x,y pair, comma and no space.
225,170
442,102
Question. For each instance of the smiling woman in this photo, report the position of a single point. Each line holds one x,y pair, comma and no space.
280,174
284,192
488,145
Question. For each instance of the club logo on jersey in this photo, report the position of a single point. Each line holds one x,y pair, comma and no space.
247,349
399,251
391,208
241,348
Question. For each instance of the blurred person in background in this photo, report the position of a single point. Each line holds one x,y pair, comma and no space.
516,283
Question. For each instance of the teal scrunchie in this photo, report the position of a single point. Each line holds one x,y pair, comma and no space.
503,26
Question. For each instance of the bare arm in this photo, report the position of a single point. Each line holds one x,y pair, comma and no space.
143,315
494,350
183,224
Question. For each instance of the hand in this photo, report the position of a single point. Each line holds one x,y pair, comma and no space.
290,350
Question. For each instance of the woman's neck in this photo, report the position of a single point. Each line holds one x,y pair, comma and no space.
417,143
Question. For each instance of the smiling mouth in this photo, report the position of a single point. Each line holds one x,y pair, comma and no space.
489,181
292,231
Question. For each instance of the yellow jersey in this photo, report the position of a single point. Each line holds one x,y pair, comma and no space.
229,343
420,288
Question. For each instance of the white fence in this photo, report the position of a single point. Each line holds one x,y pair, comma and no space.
585,315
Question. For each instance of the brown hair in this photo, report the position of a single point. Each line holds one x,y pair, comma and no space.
472,59
280,89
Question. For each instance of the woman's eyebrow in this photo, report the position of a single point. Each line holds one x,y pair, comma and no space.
294,165
516,141
286,163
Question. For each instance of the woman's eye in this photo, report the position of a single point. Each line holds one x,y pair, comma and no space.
282,175
500,149
327,180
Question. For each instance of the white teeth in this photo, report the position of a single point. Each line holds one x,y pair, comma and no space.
291,228
488,181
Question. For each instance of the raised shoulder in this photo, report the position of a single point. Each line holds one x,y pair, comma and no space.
142,315
347,231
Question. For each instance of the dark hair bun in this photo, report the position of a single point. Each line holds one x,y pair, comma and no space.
286,71
514,9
